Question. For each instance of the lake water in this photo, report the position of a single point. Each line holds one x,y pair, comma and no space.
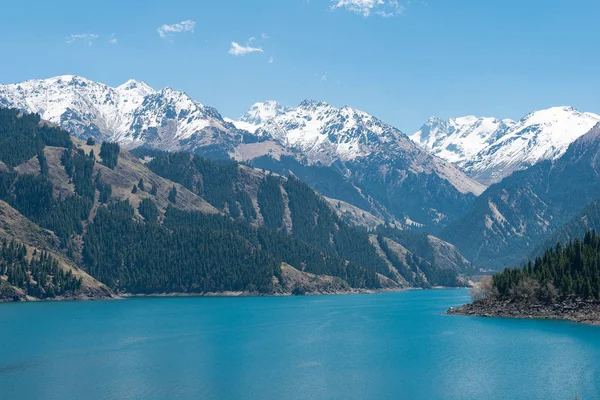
386,346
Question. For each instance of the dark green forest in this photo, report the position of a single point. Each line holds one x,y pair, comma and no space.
571,269
146,250
38,275
24,136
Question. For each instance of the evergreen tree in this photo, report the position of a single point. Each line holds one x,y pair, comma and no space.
109,152
148,210
173,195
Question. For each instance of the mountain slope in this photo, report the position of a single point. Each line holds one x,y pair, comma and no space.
489,149
376,159
512,217
586,220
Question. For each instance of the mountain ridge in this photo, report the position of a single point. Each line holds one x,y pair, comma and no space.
490,149
511,218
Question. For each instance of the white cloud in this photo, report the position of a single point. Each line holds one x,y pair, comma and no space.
271,60
239,50
112,39
84,37
183,26
264,36
383,8
324,77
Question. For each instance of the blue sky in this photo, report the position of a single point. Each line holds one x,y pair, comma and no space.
401,61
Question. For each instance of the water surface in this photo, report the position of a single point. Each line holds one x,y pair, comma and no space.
386,346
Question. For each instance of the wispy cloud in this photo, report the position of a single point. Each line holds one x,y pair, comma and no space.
366,8
239,50
112,39
271,60
83,37
322,77
183,26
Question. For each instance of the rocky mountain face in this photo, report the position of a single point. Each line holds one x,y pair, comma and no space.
585,220
373,164
510,219
489,149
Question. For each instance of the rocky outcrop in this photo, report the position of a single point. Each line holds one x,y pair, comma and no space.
575,310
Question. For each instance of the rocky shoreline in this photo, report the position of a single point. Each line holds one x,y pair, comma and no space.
574,310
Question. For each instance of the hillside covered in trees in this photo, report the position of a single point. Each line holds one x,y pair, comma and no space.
567,270
177,223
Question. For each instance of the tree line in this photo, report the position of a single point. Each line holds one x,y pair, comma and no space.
566,270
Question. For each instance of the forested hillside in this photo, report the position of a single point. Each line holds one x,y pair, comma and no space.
177,224
571,269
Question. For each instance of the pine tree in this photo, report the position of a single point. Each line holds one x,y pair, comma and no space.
173,195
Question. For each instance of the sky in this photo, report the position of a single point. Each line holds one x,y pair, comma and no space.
402,61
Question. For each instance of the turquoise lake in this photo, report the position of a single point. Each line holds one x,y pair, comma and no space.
385,346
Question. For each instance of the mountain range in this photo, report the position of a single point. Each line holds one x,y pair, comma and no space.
490,149
376,165
496,188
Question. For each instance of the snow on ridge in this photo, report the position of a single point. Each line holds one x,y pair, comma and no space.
123,113
324,134
489,149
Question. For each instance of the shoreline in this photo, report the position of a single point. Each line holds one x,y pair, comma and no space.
256,294
124,296
572,310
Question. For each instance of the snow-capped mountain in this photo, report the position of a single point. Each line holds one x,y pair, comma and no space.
131,114
513,217
322,134
458,140
489,149
378,160
325,134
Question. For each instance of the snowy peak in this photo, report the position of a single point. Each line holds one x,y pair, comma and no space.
489,149
261,112
326,133
139,88
558,125
131,114
258,115
459,139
